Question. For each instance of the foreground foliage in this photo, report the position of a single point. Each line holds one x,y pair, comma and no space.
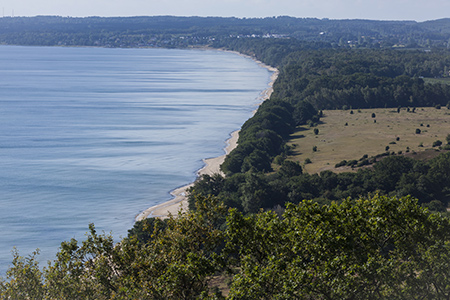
371,248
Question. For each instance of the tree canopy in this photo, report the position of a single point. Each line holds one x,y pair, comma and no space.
377,247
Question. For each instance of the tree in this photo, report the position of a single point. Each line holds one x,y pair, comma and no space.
369,249
437,143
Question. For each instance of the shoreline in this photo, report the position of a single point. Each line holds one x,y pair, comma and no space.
212,165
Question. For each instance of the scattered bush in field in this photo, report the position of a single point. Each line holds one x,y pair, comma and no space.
437,143
308,161
438,106
373,115
387,148
352,163
341,163
316,131
374,121
392,143
346,124
428,125
397,139
315,148
421,144
399,152
351,112
418,131
363,162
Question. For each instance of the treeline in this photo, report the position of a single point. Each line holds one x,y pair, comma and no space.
331,79
394,175
171,31
371,248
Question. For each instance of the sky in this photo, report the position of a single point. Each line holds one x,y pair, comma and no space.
418,10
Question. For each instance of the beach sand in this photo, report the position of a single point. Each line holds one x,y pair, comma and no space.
212,166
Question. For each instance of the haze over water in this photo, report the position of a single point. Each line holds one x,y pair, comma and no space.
94,135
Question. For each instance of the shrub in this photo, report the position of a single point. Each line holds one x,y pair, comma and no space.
316,131
437,143
352,163
418,131
340,164
315,148
373,115
308,161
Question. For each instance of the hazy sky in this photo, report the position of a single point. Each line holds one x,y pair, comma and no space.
419,10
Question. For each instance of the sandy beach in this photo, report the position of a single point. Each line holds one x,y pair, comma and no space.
212,165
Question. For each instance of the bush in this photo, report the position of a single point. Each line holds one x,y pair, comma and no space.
308,161
316,131
315,148
340,164
437,143
418,131
352,163
373,115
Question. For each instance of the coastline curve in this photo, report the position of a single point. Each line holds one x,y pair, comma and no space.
179,201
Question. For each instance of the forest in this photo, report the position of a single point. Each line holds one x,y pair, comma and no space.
267,229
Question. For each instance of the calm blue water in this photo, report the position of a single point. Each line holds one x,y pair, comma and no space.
99,135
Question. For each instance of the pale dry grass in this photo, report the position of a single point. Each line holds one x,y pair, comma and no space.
336,142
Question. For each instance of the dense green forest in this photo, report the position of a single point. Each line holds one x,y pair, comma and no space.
371,248
267,229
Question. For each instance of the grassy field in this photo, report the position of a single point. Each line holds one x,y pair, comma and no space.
346,136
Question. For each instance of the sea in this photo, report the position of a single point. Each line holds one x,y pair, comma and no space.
97,135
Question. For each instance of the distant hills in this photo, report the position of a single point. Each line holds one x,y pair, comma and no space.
171,31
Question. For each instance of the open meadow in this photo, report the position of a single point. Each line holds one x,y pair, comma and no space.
350,134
